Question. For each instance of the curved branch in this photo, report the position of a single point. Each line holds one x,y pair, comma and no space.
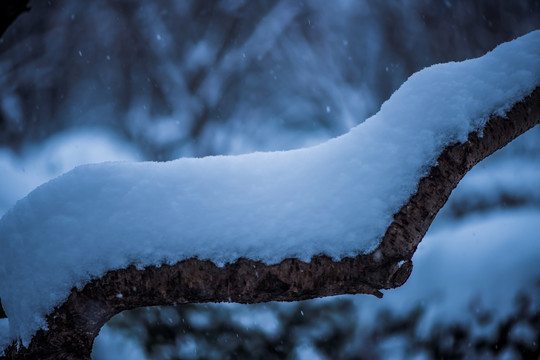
74,325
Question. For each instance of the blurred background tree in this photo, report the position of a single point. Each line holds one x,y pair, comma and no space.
217,77
137,80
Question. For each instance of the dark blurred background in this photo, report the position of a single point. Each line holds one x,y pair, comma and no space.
137,80
206,77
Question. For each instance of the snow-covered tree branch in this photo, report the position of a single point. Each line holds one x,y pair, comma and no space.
342,217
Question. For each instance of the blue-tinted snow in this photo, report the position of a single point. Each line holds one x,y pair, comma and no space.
336,198
21,173
114,345
481,261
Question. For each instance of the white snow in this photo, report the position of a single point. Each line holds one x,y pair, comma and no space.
480,262
111,345
514,179
336,198
34,165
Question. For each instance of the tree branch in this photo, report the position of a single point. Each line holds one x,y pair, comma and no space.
74,325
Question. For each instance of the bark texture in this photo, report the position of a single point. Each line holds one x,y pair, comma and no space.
74,325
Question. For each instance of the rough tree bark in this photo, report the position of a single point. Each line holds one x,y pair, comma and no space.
74,325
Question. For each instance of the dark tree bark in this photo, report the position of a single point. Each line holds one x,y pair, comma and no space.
74,325
10,11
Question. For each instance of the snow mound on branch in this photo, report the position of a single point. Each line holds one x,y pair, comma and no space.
21,173
336,198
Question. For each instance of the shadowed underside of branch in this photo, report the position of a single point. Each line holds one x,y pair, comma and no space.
74,325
